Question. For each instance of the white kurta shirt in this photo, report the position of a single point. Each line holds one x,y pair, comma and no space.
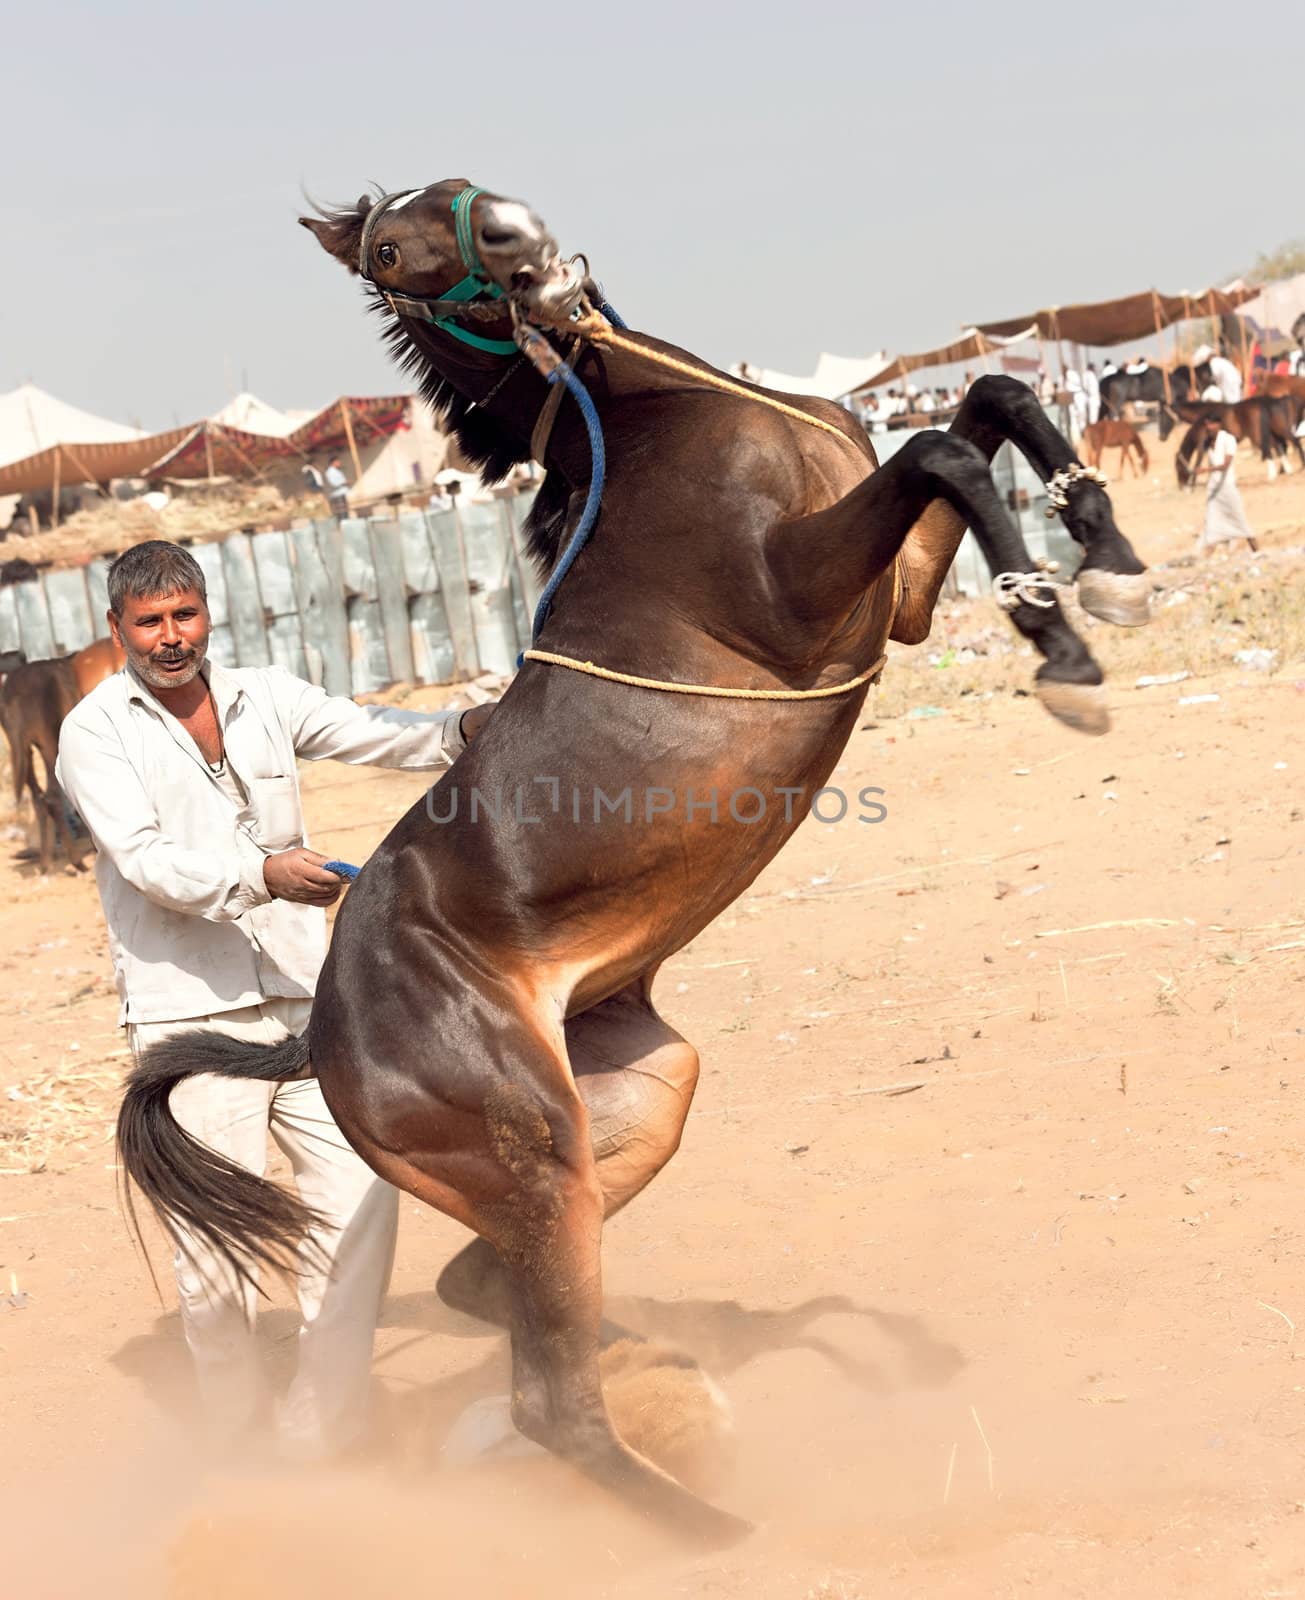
192,927
1227,377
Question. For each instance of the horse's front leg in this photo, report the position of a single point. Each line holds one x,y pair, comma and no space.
1112,582
830,558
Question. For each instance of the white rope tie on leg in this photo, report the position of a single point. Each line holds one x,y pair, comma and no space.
1032,588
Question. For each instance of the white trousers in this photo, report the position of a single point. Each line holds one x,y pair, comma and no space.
345,1265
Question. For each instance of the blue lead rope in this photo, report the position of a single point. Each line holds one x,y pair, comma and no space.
580,538
594,499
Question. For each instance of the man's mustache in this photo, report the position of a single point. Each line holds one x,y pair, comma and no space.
172,655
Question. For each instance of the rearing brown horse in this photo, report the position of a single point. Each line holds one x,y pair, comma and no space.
483,1029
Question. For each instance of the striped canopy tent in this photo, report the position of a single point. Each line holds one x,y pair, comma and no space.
45,442
199,450
215,449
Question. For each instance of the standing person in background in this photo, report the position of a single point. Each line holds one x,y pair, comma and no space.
337,489
1225,516
1224,375
1077,401
185,774
1092,390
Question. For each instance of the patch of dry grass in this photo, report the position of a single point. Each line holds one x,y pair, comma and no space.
115,525
1204,614
64,1114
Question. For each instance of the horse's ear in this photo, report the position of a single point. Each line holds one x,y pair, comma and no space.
340,232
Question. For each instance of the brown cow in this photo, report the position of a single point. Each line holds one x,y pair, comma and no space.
34,700
1109,433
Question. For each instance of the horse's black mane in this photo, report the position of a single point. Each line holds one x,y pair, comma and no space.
482,440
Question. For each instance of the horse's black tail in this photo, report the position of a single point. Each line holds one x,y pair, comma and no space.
193,1189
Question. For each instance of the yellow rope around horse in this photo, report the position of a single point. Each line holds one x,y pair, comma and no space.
600,331
594,671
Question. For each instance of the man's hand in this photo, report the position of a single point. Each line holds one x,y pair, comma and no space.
300,875
474,719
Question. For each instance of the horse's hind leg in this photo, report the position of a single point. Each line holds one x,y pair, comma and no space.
636,1076
548,1233
502,1143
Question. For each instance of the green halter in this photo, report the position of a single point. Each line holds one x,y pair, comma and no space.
476,285
477,288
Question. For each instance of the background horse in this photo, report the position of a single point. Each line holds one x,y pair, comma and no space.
1269,424
1109,433
516,1074
1119,388
34,699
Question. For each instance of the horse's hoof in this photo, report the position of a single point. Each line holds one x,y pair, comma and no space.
1118,597
1081,705
714,1529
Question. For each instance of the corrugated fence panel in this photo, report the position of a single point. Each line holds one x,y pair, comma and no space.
369,661
450,555
11,638
490,569
428,623
321,606
222,646
285,640
392,591
70,611
337,676
518,509
34,630
244,602
356,605
97,589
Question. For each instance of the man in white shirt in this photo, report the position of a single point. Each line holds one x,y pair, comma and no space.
1225,515
1092,389
337,488
185,774
1224,375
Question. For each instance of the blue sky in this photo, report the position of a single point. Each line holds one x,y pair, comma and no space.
751,181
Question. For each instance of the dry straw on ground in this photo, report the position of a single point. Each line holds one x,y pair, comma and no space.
61,1116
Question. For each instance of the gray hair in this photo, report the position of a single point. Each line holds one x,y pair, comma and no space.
156,567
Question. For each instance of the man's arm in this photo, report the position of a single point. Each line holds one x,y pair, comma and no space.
219,882
333,727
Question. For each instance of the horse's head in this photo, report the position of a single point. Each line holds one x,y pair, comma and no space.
455,256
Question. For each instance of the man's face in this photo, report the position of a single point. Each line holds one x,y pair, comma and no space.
165,637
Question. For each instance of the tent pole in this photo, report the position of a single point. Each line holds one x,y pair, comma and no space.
1164,370
353,448
1246,376
83,468
254,470
208,451
58,476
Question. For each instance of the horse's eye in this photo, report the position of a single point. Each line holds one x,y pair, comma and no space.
387,255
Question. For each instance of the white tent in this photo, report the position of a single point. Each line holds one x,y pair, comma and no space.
252,415
32,420
1278,305
834,376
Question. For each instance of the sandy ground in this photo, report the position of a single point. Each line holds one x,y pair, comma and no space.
1068,1255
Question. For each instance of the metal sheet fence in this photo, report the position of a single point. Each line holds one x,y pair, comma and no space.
427,597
